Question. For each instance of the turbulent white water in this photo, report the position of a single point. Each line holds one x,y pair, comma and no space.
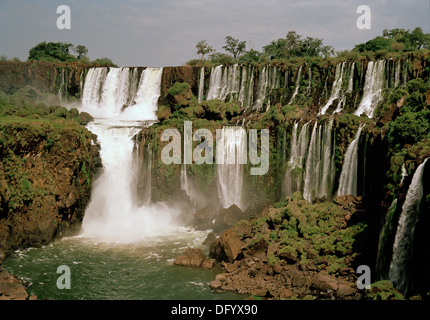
113,214
403,242
348,176
231,156
374,83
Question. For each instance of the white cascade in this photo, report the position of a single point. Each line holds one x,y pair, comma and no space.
201,85
262,88
243,98
92,87
397,74
230,158
403,242
108,94
215,83
146,102
114,213
348,176
312,165
309,87
336,89
351,78
115,91
224,81
298,79
373,85
320,168
187,187
296,164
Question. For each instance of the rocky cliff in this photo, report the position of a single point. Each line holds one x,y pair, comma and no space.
46,173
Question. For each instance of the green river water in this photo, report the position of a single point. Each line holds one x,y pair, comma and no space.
107,270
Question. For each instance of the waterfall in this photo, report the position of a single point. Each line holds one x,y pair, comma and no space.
214,83
233,84
397,74
146,102
348,176
201,85
92,87
295,167
320,169
312,164
309,88
108,94
382,243
262,87
134,84
298,79
373,85
62,86
187,187
230,158
403,242
336,91
114,213
327,174
243,98
351,78
223,83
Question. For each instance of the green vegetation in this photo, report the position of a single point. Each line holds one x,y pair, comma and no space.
383,290
234,46
19,111
391,44
60,52
397,40
27,130
413,123
316,236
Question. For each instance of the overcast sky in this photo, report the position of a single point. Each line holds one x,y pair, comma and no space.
165,32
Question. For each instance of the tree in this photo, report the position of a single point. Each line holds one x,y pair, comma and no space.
105,62
251,56
376,44
81,51
52,52
397,40
419,39
293,45
203,48
234,46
